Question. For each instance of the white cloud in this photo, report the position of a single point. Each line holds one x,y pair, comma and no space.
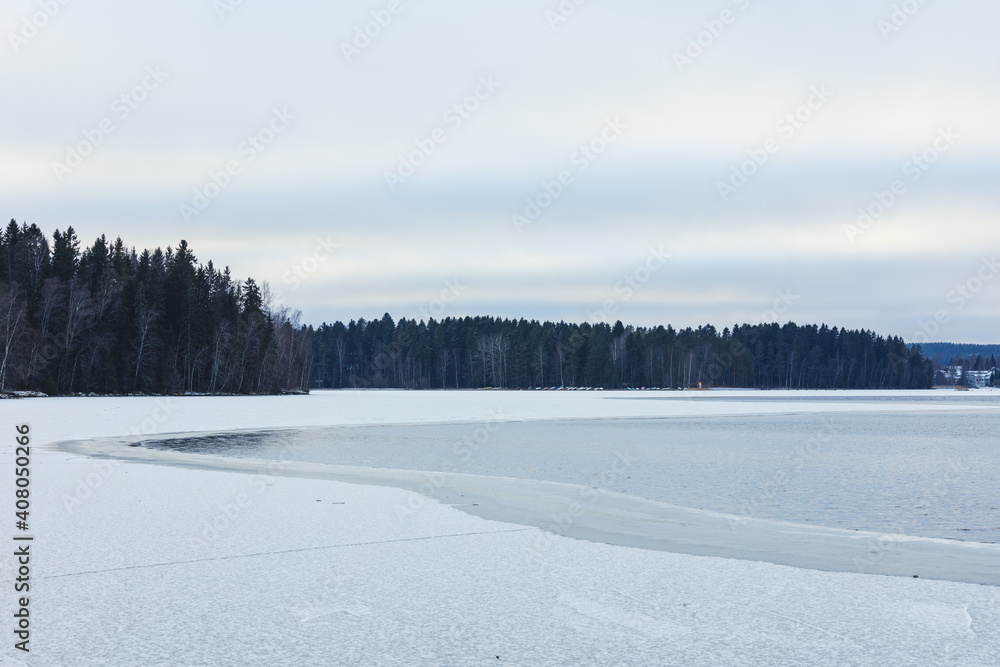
686,131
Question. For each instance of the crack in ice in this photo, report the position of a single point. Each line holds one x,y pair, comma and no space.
287,551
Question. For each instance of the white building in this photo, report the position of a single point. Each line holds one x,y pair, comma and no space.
979,379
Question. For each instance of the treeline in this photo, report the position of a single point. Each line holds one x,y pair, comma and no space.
944,354
107,319
477,352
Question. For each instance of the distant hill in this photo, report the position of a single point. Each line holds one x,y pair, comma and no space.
945,351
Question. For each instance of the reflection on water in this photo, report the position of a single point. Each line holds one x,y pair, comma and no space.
928,474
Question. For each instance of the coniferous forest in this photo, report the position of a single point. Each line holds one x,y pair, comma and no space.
474,352
108,319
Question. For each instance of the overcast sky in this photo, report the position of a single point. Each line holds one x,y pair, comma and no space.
643,109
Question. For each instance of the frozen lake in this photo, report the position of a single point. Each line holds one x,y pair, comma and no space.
922,472
287,561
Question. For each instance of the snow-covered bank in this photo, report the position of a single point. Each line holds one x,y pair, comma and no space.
146,565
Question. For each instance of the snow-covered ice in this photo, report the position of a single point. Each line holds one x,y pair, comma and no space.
601,515
138,564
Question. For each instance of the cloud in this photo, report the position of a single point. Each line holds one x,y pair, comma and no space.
686,132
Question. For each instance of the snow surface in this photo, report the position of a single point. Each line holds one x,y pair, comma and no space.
138,564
